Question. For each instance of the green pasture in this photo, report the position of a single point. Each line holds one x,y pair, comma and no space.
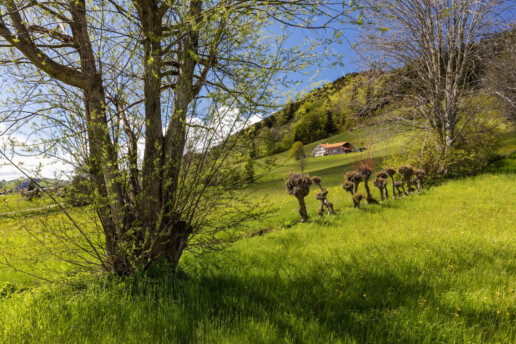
433,267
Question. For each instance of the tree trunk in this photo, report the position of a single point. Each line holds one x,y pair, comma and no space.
150,200
302,209
329,207
409,186
393,187
369,197
368,192
170,235
386,193
102,158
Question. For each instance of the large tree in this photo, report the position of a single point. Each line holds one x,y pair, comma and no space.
147,87
436,41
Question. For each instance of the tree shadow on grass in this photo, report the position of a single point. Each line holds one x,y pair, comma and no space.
357,309
304,307
504,165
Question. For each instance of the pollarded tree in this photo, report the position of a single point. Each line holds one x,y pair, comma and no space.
357,198
382,174
322,197
147,88
407,172
298,185
420,175
381,184
355,178
400,186
391,172
348,186
365,170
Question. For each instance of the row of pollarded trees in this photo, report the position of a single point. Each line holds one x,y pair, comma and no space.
298,185
411,177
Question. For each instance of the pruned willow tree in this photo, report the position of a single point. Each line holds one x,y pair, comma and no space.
432,47
146,96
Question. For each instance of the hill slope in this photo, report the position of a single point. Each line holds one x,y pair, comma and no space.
433,267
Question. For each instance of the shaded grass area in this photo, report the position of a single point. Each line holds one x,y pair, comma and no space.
439,266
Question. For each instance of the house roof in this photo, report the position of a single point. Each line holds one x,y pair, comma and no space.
334,145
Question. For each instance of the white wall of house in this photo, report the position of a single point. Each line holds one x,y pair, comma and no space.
318,151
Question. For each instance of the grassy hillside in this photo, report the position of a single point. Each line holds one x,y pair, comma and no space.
333,108
433,267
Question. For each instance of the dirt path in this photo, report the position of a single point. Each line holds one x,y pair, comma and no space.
32,209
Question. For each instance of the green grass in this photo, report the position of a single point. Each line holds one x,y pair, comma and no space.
16,202
439,266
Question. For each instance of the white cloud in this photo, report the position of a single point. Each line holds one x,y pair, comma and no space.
210,132
201,135
34,166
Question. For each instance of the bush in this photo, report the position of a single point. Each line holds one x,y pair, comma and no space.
469,155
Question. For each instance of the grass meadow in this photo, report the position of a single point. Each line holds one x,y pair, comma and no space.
435,267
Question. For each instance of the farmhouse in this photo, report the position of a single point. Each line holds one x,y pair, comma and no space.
333,149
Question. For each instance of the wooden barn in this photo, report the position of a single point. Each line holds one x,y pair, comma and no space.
333,149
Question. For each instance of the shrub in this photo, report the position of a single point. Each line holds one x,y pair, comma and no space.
471,152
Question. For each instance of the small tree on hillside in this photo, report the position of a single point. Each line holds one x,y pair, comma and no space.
383,175
391,172
407,172
321,196
249,174
381,184
420,175
298,185
297,152
365,169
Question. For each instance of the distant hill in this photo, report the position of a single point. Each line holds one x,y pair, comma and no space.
335,107
356,99
19,184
